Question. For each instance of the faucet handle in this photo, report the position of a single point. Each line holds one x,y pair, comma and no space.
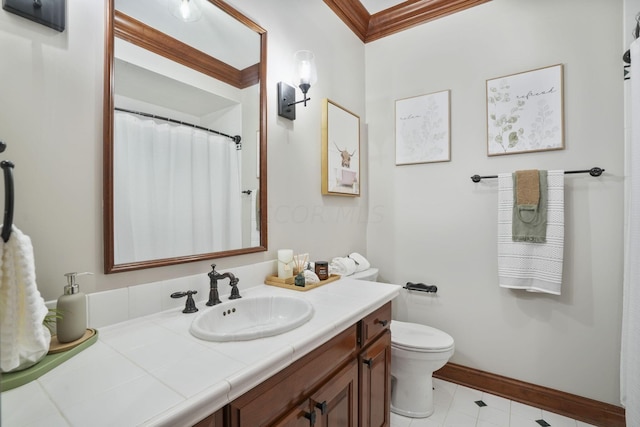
190,306
235,293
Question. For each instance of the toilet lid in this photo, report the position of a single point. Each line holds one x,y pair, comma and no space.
419,337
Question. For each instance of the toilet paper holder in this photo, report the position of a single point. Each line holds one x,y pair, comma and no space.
421,287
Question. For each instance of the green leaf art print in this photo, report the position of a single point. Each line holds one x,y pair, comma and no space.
524,112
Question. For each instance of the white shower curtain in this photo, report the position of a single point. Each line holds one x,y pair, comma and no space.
176,190
630,357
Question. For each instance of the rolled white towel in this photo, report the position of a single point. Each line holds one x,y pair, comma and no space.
343,266
361,262
310,277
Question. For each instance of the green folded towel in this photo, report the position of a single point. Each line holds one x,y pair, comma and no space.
529,222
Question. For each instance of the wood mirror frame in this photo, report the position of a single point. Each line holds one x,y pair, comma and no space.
124,27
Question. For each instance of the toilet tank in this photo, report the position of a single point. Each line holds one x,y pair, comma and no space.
370,274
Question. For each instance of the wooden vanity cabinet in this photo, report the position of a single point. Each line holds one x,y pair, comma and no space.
343,383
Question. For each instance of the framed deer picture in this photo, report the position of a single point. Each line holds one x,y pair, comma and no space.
340,151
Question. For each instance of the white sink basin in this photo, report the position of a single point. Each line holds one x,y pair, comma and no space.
249,318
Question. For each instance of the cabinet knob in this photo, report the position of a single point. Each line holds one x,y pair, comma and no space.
368,362
383,322
311,416
322,406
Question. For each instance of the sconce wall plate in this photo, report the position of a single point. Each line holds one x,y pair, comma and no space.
50,12
286,101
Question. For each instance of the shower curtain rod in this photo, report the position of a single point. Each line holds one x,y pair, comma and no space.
593,172
235,139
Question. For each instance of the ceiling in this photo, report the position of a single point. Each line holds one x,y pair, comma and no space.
373,19
209,34
375,6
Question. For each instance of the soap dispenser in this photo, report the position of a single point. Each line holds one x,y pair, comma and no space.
72,307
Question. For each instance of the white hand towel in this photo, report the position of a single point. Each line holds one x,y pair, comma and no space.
24,340
361,262
343,266
536,267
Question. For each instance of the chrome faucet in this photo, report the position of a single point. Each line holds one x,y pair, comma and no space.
214,276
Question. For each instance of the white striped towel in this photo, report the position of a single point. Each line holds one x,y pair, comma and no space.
535,267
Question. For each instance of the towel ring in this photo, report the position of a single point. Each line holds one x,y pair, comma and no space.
8,199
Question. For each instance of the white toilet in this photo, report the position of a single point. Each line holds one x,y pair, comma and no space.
416,352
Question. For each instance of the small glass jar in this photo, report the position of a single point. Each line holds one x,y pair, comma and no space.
322,270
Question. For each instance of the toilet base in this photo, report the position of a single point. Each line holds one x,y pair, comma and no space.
410,414
413,402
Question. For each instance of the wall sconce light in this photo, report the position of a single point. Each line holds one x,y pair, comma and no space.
304,75
185,10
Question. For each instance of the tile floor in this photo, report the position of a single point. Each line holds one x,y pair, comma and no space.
459,406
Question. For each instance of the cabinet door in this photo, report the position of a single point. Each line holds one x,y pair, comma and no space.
336,403
375,382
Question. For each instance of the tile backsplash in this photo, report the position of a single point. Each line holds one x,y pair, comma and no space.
119,305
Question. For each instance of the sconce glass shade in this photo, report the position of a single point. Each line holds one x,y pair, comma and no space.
304,74
185,10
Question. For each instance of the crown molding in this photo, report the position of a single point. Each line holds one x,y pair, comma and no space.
395,19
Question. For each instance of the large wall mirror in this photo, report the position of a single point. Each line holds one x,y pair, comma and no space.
185,171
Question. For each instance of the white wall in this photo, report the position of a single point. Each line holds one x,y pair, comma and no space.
431,223
51,118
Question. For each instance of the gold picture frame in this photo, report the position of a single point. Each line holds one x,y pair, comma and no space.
340,151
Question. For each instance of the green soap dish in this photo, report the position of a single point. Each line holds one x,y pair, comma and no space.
58,353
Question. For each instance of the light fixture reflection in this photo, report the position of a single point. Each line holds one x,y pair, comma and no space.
185,10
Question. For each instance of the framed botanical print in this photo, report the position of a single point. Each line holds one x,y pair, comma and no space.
525,112
423,129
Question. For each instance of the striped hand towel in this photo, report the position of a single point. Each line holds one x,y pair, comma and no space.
535,267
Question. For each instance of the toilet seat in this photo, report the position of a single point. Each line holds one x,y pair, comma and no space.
419,338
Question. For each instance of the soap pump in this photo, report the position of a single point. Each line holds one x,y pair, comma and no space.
72,307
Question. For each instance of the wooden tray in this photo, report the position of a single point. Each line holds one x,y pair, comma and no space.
276,281
57,347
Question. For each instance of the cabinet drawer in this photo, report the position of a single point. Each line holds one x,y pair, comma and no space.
374,324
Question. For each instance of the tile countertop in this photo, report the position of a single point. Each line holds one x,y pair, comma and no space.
151,371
